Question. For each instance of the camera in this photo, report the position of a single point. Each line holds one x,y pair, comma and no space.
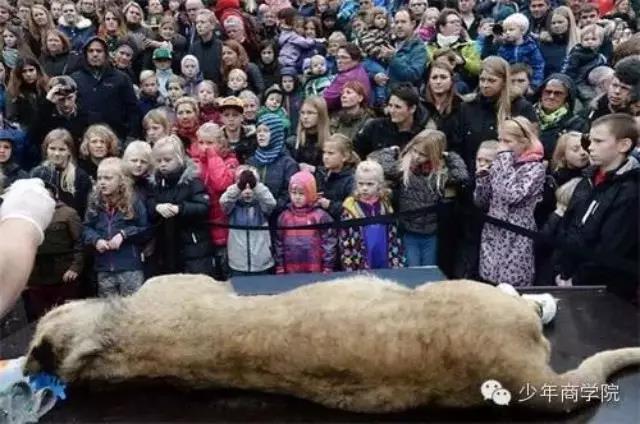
497,29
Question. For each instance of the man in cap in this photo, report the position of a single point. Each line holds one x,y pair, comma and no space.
105,93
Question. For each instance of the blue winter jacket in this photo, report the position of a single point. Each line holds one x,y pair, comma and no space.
409,63
102,224
528,52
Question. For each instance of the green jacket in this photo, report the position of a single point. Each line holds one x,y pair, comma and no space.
466,49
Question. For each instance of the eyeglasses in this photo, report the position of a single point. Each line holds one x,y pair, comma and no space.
555,93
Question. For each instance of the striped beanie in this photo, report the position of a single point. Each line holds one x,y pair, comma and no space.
269,154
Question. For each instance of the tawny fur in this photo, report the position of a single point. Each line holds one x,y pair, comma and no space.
360,343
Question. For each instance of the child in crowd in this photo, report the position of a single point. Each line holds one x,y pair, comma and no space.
217,164
583,58
375,245
292,45
182,203
59,262
293,97
248,202
378,35
427,173
241,138
236,82
116,225
14,46
317,77
156,125
149,97
251,107
427,27
273,99
521,79
335,177
162,63
175,90
98,143
519,47
569,158
138,162
187,124
304,250
510,189
271,158
8,167
487,152
190,70
268,63
336,40
207,93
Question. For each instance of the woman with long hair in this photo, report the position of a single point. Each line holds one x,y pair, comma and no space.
312,131
558,38
57,57
113,29
441,98
59,168
234,56
354,111
14,45
27,87
40,23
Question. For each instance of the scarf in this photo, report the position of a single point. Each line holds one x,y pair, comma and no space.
446,40
269,154
548,120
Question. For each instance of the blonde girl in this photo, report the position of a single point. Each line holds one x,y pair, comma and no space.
207,94
429,174
14,46
569,156
40,23
59,168
115,226
510,189
98,143
375,245
335,177
312,131
156,125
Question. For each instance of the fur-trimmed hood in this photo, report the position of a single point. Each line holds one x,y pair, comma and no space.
82,23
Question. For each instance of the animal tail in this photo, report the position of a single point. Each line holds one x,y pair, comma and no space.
577,388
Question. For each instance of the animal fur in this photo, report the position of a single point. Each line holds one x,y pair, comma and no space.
359,343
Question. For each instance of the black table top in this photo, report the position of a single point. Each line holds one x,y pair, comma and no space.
588,321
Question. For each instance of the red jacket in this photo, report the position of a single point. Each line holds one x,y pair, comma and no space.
217,172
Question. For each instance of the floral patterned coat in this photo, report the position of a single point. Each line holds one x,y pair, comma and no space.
510,191
352,246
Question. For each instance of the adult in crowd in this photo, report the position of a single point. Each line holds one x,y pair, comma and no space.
416,9
76,27
105,93
409,58
406,118
493,102
57,57
234,56
556,99
113,29
60,110
350,68
538,15
471,20
40,23
136,30
618,97
188,25
312,131
558,38
207,47
441,98
354,111
451,35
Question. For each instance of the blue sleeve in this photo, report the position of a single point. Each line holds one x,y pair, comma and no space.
411,66
537,65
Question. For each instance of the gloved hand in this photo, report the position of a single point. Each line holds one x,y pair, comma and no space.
247,177
29,200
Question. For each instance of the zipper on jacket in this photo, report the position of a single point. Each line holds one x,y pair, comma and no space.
591,210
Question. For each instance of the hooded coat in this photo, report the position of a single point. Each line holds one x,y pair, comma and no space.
107,96
78,33
510,192
332,93
603,219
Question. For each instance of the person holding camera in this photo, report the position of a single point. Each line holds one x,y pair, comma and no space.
60,110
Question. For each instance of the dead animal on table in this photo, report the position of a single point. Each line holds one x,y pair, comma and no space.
360,343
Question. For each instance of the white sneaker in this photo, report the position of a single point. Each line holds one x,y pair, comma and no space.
548,305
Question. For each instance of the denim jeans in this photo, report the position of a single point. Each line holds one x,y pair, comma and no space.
420,249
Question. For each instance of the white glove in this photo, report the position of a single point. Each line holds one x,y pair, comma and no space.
29,200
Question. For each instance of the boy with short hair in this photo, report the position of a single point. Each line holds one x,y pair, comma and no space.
600,226
519,47
521,78
11,170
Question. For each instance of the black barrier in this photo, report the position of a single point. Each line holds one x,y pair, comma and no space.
610,260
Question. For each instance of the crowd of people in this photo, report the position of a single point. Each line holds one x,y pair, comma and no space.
232,138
